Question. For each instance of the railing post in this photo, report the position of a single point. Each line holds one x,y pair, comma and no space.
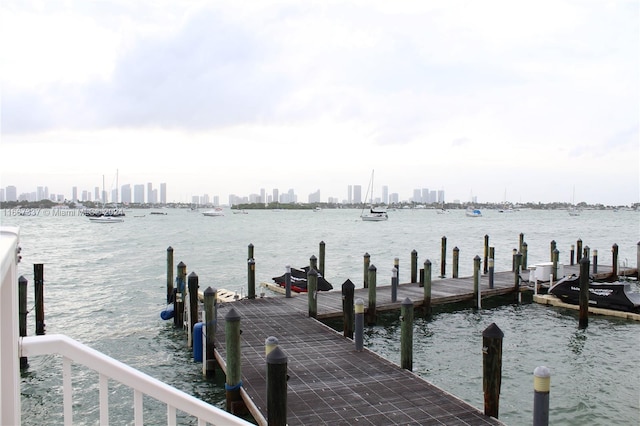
210,302
414,266
22,315
38,285
234,374
348,291
312,292
371,311
406,334
277,387
541,387
169,274
492,368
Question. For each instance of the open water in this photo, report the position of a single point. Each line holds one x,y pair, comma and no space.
105,285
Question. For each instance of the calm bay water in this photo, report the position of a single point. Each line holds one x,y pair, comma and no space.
105,286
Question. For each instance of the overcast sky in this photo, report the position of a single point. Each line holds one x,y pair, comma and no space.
523,99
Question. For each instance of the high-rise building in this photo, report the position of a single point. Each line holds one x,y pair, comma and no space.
39,193
417,196
11,193
350,194
441,196
2,195
216,200
163,193
125,194
138,194
74,194
357,194
96,193
314,197
114,196
150,199
394,198
385,194
263,195
276,195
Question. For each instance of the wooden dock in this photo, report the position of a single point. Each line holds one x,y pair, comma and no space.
332,383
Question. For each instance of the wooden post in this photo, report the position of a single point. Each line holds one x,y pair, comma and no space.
492,254
595,261
521,242
312,292
491,270
270,344
541,387
414,266
476,281
38,285
578,251
525,249
233,381
486,255
193,304
371,311
277,387
556,256
396,264
210,302
513,259
456,261
443,258
367,261
406,334
638,261
359,320
250,251
492,368
22,315
586,252
518,261
348,292
427,287
287,281
169,274
614,266
251,274
551,249
394,285
572,255
322,256
181,290
313,262
583,320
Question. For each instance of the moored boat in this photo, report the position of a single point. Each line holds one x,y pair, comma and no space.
616,295
299,281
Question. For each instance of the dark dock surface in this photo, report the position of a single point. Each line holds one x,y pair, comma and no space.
332,383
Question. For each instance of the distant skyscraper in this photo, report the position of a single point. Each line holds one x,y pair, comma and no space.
357,194
441,196
138,194
276,195
163,193
11,193
216,200
425,195
96,193
394,198
114,196
2,195
263,195
385,194
39,193
125,194
417,196
350,194
314,197
150,199
74,194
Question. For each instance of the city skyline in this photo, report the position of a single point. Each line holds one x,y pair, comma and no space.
496,100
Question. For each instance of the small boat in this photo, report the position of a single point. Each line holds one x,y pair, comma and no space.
616,295
376,214
317,209
299,281
471,212
106,219
236,211
159,213
215,212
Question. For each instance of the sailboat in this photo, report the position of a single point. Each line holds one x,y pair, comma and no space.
376,214
105,216
573,210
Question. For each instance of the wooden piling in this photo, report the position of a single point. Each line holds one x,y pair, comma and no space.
614,266
396,264
583,298
443,258
555,260
552,247
322,258
586,252
367,262
492,368
541,387
371,311
313,262
595,261
169,274
394,285
414,266
572,255
476,282
427,288
250,251
287,281
638,261
456,261
277,387
180,295
22,315
578,251
251,278
38,284
193,304
348,293
516,277
521,242
486,255
358,308
233,381
492,253
210,306
524,250
312,292
513,260
406,334
491,271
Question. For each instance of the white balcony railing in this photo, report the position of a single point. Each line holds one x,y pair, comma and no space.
12,347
